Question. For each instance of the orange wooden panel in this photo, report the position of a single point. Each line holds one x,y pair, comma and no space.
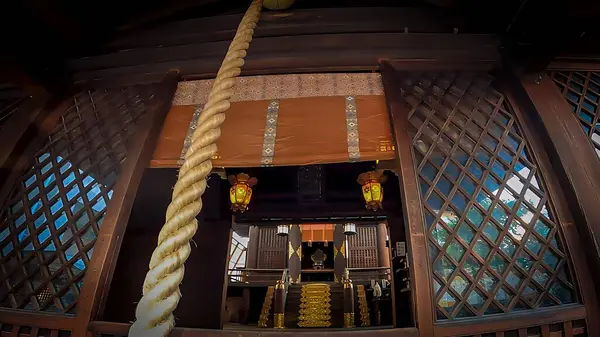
309,131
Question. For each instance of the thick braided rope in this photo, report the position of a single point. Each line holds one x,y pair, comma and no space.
154,313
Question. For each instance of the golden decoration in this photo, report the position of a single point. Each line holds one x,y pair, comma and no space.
315,307
291,251
279,321
264,313
348,320
343,249
365,317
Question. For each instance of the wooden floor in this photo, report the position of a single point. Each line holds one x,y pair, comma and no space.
252,331
237,330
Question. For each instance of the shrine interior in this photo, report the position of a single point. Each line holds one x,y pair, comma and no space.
314,204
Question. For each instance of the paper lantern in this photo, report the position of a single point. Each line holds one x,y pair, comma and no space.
283,230
240,192
278,4
350,228
371,188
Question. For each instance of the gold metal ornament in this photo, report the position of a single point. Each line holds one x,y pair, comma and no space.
279,321
348,320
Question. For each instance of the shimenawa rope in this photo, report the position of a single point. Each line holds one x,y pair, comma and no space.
154,313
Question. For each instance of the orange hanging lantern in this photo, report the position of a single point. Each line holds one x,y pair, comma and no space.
240,192
371,188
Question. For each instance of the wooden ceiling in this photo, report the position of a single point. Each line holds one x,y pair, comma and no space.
50,44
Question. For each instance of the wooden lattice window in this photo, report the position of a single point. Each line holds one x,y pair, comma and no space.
494,244
582,92
362,248
272,249
50,221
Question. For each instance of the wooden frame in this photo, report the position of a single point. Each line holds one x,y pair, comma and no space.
574,63
420,279
572,239
16,126
97,280
564,148
563,315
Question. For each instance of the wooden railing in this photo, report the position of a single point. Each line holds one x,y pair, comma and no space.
368,274
251,275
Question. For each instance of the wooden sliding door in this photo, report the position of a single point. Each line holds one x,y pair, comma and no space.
489,225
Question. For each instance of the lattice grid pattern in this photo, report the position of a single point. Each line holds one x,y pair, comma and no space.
362,248
582,92
493,242
272,249
49,224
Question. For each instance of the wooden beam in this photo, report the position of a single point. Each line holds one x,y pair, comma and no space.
121,329
18,130
297,22
36,319
411,200
576,164
106,249
18,158
290,54
513,321
563,216
574,157
581,63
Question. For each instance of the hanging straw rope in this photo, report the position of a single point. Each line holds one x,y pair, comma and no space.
154,313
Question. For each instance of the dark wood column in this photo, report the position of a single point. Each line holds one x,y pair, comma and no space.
420,275
339,252
573,172
252,254
382,251
295,253
574,157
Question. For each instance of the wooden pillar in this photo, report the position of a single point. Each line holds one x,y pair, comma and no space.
339,253
252,252
295,253
382,251
348,303
96,282
411,202
562,147
279,306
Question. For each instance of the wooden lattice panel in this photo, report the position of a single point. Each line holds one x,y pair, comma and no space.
362,248
271,249
49,224
27,331
582,92
494,245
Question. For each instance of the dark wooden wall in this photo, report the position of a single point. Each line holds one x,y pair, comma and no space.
307,40
202,288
